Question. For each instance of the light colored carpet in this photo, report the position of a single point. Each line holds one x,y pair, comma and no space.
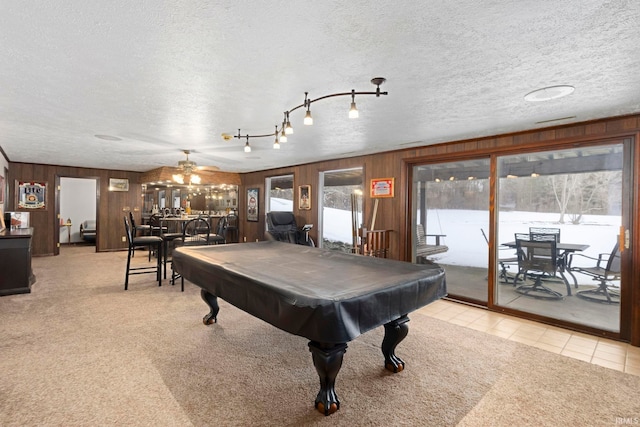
80,351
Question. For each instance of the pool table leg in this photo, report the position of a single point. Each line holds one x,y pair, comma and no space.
327,358
212,302
394,332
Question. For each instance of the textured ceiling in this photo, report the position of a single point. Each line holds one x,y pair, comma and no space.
167,76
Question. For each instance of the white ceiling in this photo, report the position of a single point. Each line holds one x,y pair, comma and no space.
168,76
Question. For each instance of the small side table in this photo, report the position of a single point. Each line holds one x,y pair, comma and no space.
68,225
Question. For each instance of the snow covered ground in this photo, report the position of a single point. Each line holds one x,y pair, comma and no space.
467,246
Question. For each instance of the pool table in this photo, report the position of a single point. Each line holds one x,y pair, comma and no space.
325,296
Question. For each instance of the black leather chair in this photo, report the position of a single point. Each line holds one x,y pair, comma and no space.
282,226
137,241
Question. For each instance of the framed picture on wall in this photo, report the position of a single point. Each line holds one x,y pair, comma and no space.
252,204
382,187
304,197
31,195
118,184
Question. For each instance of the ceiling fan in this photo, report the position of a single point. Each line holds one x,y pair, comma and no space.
185,171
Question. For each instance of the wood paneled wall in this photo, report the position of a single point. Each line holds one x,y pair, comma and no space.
393,213
111,206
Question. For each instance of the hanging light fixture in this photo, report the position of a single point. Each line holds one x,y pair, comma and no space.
308,120
276,144
186,167
353,111
283,134
287,129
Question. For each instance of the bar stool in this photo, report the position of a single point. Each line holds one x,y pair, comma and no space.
150,241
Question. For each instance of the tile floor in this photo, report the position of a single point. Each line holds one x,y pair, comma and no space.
600,351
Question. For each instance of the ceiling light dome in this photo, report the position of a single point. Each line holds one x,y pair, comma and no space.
549,93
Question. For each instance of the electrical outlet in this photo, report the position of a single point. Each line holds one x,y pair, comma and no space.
124,238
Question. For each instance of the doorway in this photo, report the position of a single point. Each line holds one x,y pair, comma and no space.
77,211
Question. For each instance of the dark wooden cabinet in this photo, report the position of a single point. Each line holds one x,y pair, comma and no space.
16,276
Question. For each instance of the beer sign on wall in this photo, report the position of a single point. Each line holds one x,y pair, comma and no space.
32,195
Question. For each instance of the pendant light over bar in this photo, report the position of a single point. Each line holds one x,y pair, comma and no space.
286,128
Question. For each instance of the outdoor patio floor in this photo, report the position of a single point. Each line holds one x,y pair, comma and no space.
471,282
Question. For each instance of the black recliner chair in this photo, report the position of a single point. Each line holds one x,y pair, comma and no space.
282,226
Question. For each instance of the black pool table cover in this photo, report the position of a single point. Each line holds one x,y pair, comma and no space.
325,296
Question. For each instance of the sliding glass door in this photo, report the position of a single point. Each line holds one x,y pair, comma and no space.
576,197
451,223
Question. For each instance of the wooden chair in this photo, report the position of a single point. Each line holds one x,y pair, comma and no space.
374,242
423,249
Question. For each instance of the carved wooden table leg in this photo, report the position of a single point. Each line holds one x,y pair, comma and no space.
212,302
327,358
394,332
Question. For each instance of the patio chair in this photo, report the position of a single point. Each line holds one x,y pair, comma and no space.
538,260
606,269
540,233
504,262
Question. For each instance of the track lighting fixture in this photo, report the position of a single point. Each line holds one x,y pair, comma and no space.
287,129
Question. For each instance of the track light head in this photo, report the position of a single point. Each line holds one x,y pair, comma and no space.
288,129
353,111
